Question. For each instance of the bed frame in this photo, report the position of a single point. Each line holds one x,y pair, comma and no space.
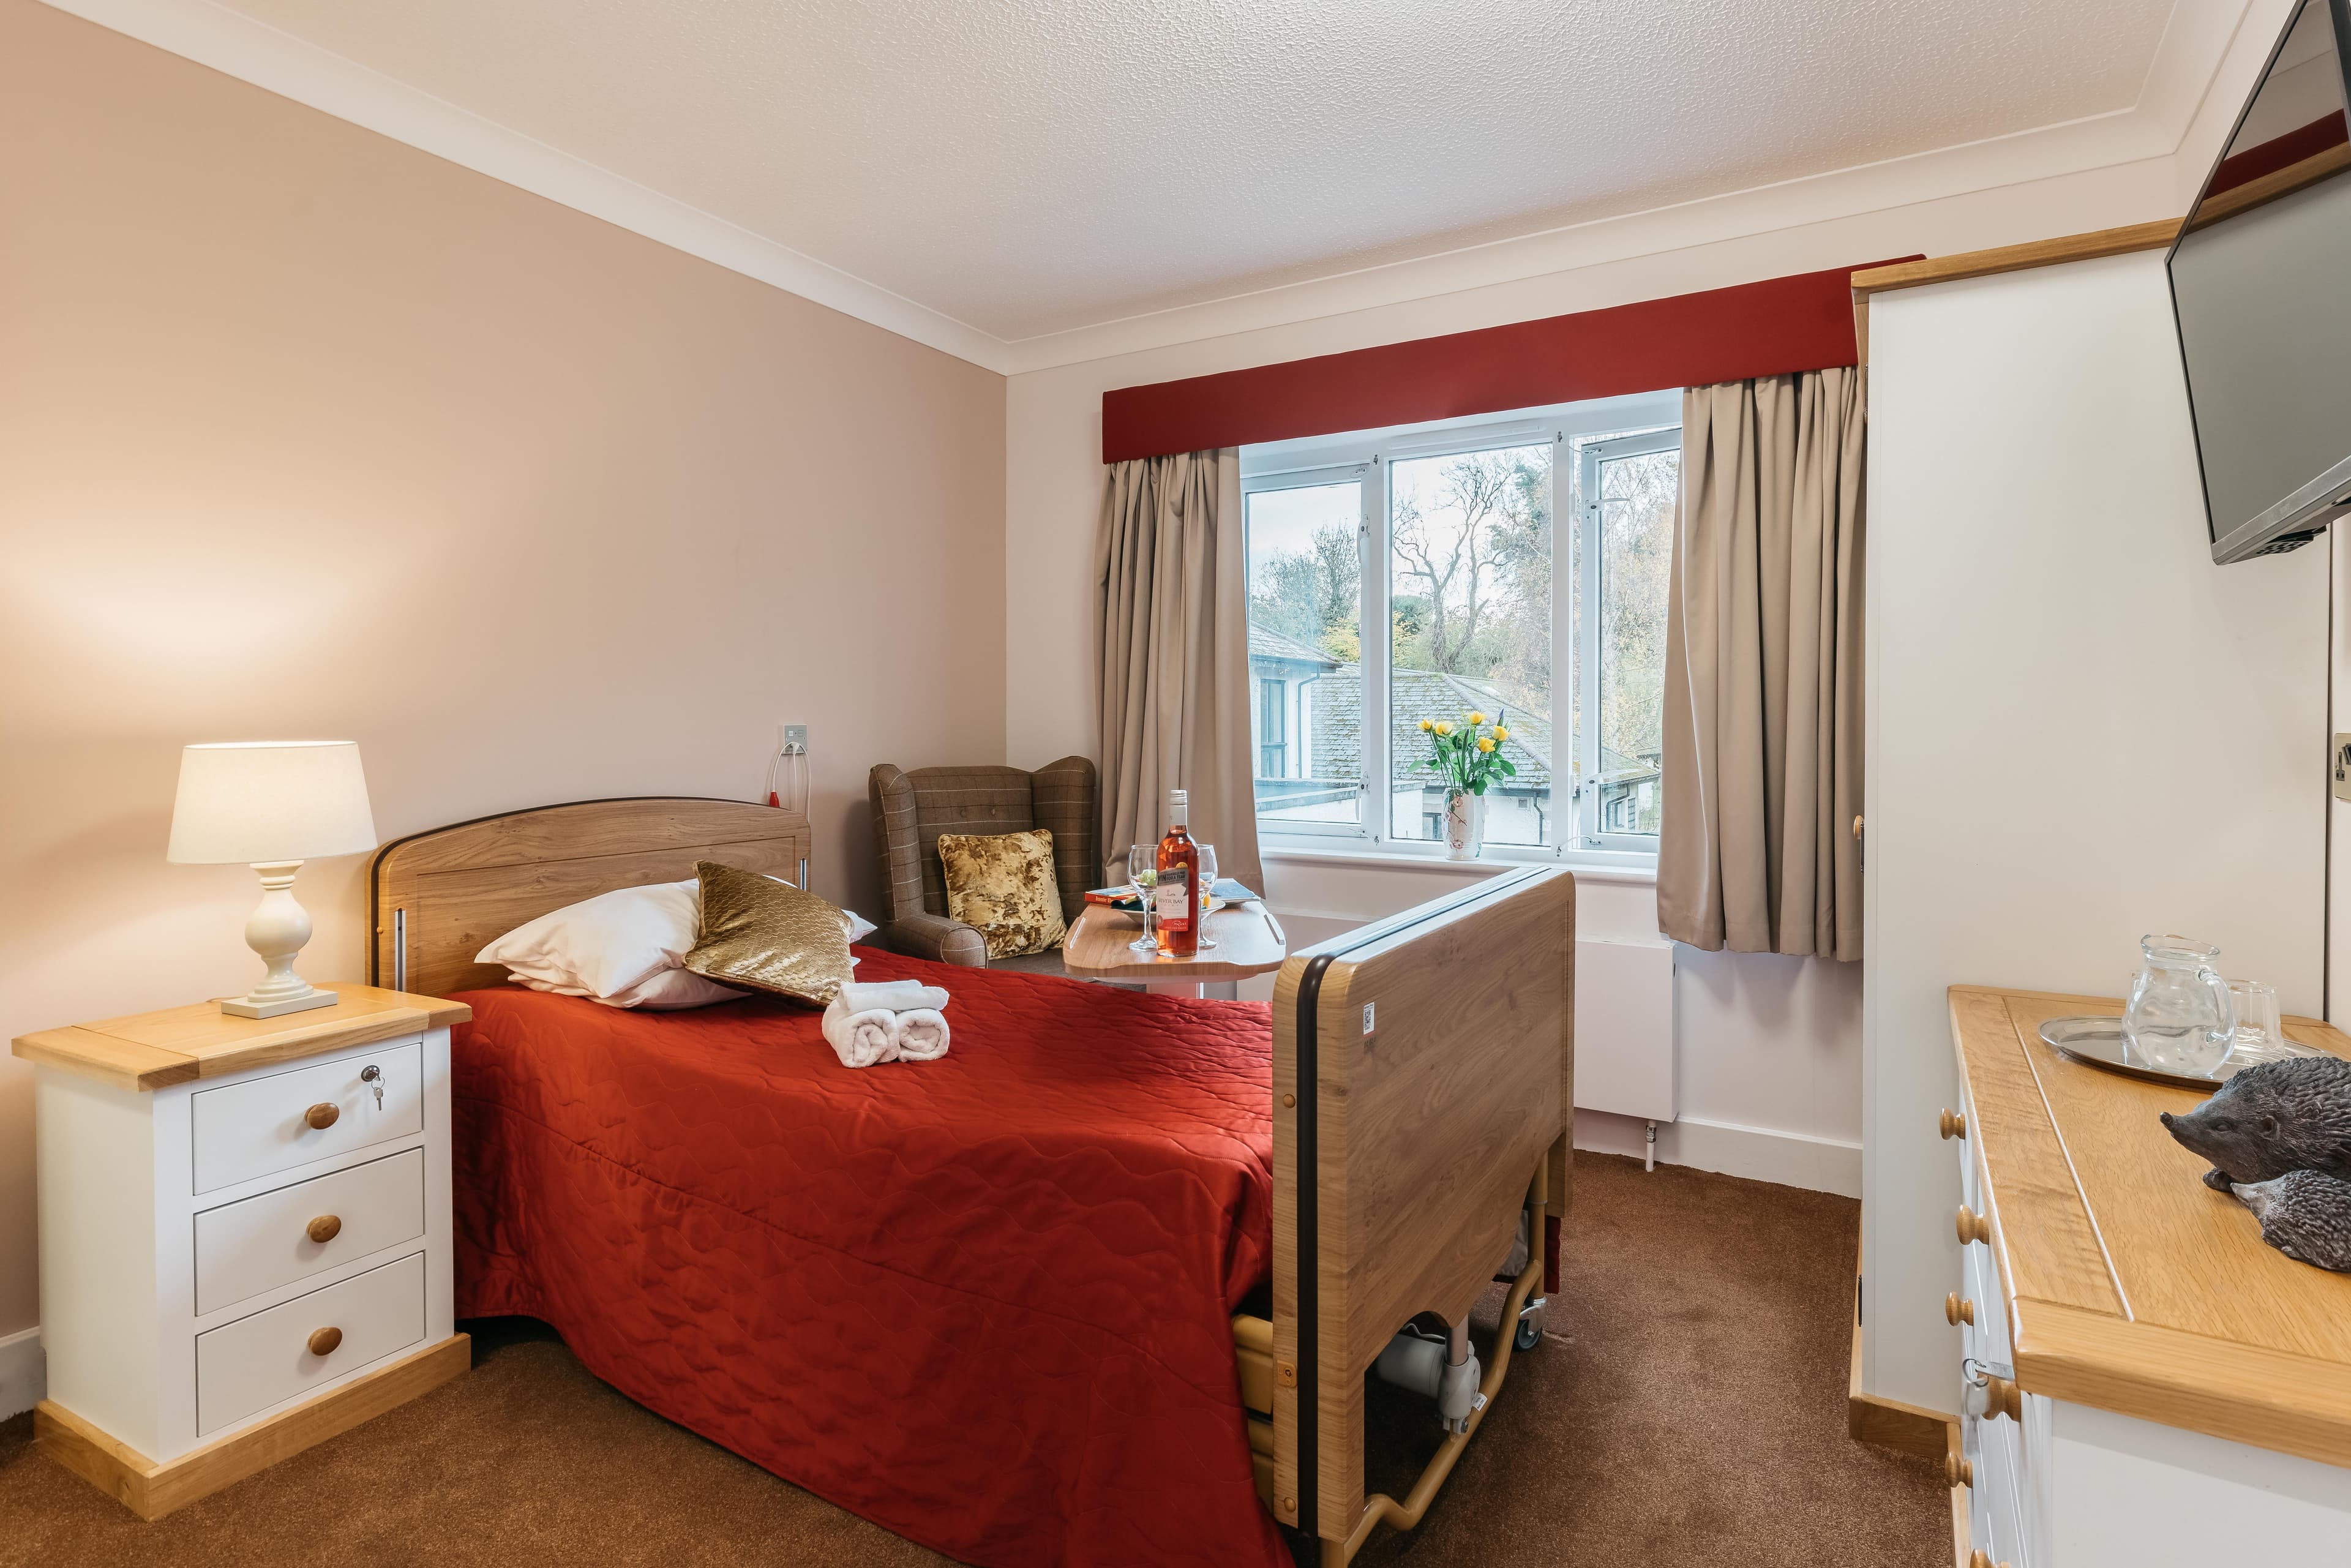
1423,1080
1424,1086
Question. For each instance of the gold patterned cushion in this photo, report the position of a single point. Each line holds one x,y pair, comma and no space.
769,935
1002,886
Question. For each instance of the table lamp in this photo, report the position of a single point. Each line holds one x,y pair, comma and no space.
272,804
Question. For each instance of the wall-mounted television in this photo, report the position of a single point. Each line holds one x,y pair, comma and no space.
2260,288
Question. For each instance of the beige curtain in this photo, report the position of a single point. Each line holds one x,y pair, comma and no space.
1762,726
1172,630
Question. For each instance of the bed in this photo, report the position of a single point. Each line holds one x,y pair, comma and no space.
1040,1301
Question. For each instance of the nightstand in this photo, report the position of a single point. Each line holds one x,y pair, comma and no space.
243,1235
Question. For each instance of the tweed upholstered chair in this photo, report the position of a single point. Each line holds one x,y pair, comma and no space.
912,809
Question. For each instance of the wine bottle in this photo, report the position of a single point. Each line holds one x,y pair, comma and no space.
1177,896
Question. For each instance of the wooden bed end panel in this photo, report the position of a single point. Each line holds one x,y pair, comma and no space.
451,892
1426,1132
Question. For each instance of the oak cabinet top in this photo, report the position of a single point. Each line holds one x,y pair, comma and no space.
149,1051
2130,1285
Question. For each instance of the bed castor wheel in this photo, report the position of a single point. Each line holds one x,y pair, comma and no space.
1530,1326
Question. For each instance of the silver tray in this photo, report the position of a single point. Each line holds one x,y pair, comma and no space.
2097,1042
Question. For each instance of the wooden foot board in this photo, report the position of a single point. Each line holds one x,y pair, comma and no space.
1423,1068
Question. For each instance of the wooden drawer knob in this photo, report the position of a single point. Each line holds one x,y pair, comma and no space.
2003,1397
1958,1471
1954,1124
324,1229
1973,1227
322,1115
1979,1558
1956,1309
324,1340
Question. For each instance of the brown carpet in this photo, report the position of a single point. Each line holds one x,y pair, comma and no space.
1687,1411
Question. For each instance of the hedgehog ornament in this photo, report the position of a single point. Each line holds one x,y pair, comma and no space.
2306,1215
2292,1115
2279,1137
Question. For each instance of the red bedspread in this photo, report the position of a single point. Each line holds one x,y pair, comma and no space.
984,1302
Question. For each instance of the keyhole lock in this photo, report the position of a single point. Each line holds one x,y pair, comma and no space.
372,1076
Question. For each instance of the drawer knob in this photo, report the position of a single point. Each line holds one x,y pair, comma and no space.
1956,1309
324,1340
1973,1227
1979,1558
324,1229
1954,1124
1957,1472
2003,1397
323,1115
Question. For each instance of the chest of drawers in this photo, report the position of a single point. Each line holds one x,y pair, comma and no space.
243,1235
2141,1379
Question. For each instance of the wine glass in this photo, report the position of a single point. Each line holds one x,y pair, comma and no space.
1207,887
1143,870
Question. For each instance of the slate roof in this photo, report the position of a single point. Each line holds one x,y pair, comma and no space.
1264,642
1414,695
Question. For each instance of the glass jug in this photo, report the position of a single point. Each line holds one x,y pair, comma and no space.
2181,1018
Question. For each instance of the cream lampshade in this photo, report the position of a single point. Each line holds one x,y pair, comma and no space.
272,804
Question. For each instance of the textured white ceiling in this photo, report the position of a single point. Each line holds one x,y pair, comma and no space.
1032,167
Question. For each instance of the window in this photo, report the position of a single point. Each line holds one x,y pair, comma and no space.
1629,487
1305,572
1273,728
1445,534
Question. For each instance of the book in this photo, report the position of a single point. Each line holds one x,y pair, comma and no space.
1227,890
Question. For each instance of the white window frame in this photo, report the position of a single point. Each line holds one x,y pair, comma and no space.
1589,457
1365,456
1371,493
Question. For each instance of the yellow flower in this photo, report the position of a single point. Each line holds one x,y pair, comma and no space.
1501,734
1425,725
1443,727
1485,746
1477,717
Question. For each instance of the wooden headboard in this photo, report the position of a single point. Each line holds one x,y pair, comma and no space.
437,898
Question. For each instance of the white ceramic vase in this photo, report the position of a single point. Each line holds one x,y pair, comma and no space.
1465,825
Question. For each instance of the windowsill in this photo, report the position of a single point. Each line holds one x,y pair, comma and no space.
1589,865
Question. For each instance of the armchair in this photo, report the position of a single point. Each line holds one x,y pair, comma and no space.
910,809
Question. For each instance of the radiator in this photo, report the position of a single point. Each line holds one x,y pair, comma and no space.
1624,1029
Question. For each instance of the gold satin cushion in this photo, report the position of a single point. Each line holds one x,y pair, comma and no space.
1002,886
769,935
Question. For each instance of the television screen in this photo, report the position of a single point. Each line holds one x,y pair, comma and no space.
2260,287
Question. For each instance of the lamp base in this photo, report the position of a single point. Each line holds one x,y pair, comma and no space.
277,1007
278,928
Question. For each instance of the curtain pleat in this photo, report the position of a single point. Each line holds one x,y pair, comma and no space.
1763,725
1171,626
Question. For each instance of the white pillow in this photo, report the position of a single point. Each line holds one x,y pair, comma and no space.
602,945
624,948
665,991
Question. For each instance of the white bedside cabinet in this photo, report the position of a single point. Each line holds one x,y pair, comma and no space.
243,1235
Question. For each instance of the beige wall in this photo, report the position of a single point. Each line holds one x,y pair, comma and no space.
305,432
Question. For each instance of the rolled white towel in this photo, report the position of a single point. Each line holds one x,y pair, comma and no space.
865,1038
898,996
921,1035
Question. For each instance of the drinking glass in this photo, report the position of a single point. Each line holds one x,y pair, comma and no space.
2181,1018
1143,870
2259,1037
1207,889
